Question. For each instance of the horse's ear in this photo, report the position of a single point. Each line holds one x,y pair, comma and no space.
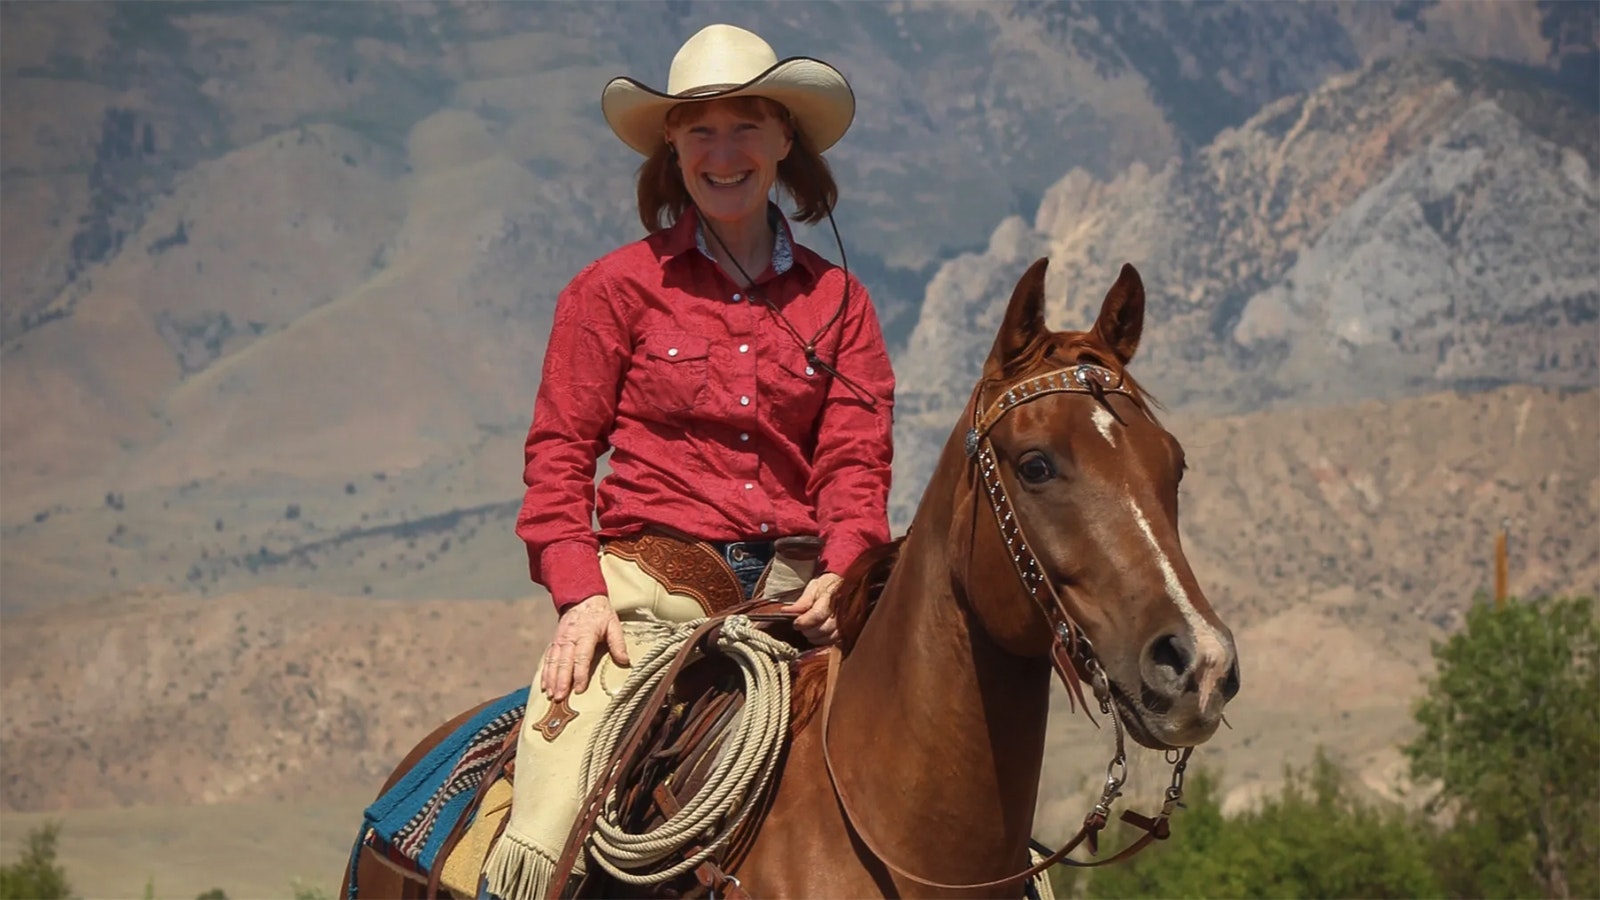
1122,314
1024,322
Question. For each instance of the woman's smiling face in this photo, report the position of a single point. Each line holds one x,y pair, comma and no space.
728,153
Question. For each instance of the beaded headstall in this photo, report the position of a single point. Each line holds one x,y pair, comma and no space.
1068,642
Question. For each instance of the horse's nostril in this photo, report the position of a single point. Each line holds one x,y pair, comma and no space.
1167,652
1230,684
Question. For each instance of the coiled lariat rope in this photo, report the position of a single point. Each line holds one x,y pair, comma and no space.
742,771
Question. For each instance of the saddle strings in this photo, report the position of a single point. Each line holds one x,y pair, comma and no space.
809,347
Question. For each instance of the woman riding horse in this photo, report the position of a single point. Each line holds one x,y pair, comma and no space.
743,408
1046,539
739,379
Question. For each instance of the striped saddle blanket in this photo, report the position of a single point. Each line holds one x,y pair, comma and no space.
409,823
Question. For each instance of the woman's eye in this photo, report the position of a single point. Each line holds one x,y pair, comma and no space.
1035,469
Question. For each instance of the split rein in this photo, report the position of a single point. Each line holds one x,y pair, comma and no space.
1068,643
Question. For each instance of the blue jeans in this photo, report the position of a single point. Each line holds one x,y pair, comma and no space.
748,559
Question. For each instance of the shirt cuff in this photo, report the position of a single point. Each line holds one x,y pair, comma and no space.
571,571
840,553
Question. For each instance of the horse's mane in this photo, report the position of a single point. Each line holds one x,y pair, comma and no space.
857,594
853,602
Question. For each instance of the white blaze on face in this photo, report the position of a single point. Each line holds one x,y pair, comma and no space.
1208,641
1102,421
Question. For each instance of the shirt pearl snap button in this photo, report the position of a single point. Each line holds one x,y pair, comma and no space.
744,401
744,348
810,371
765,528
673,352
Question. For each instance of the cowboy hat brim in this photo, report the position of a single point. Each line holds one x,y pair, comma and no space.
816,94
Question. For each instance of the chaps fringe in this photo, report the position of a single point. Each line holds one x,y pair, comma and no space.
519,870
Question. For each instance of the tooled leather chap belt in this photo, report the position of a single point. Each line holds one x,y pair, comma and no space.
683,565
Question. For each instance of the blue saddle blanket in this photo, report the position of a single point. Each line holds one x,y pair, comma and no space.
412,819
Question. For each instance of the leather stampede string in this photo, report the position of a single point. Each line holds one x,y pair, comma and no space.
810,347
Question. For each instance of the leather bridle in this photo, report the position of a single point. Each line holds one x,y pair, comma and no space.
1068,644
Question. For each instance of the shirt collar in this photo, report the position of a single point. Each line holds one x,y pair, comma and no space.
689,233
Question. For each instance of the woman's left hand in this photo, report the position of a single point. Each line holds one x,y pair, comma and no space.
815,607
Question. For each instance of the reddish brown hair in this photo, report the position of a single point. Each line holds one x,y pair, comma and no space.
804,175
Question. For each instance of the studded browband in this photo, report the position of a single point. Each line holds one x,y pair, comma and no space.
1083,378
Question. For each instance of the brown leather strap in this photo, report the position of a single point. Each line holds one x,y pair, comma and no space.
710,875
798,547
1155,829
373,853
508,752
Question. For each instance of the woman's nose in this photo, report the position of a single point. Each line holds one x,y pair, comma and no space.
722,148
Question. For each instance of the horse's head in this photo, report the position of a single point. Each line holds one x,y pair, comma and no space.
1073,525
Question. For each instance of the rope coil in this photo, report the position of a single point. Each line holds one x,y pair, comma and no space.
743,769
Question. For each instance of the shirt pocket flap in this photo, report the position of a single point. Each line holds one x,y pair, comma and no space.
676,346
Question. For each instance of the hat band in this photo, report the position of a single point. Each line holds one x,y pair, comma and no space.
706,89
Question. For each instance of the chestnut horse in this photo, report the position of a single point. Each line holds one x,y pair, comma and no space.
1047,533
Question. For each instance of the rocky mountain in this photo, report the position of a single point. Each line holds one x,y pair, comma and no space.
278,276
106,104
1419,225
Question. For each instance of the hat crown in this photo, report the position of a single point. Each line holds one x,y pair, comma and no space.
717,57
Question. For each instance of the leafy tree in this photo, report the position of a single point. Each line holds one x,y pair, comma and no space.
213,894
1315,839
1509,735
35,875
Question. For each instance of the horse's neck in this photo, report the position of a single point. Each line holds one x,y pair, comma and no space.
937,734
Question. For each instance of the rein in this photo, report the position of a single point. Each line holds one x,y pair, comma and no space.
1068,644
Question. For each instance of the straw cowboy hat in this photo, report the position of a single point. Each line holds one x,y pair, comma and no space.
724,61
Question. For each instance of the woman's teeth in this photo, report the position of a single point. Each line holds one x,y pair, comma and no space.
727,182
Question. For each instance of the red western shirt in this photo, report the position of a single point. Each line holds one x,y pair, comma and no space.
717,425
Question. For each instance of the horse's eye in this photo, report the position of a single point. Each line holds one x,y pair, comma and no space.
1035,468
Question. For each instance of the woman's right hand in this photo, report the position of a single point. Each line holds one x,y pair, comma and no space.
582,628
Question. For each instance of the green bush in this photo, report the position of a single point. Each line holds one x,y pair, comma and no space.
1510,739
35,875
